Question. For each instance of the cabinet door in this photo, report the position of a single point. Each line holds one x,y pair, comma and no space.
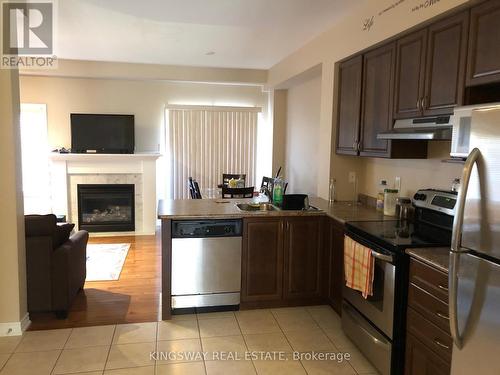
262,259
446,60
336,265
484,53
349,106
377,110
303,257
422,361
410,74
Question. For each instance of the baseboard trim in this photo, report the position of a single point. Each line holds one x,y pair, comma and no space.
15,328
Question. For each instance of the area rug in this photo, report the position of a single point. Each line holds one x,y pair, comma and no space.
105,261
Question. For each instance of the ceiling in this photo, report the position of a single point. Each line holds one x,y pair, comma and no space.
216,33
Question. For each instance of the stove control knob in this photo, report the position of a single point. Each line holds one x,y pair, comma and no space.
420,197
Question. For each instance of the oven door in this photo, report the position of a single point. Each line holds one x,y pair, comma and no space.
379,308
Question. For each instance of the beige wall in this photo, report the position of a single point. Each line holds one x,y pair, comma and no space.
144,98
344,39
279,129
13,306
302,127
415,174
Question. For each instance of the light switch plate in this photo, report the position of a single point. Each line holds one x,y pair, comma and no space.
352,177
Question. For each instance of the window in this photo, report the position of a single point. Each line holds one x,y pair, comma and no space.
205,142
35,160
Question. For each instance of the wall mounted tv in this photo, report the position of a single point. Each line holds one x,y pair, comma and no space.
102,134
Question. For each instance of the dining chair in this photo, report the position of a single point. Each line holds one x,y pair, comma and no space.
246,192
227,176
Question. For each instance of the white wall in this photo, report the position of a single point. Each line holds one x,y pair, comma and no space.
342,40
302,128
13,304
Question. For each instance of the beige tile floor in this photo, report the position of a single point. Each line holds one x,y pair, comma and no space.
125,349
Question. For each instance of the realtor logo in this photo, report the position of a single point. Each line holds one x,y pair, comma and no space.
27,28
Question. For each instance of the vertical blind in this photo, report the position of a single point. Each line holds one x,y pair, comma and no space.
206,142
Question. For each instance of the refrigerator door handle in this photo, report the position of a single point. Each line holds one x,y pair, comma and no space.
456,246
456,240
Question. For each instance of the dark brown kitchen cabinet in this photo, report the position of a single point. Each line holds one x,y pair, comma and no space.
422,361
303,257
428,340
483,65
377,96
446,63
262,259
335,257
349,105
410,74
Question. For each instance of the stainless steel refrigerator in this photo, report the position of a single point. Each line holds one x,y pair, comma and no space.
474,279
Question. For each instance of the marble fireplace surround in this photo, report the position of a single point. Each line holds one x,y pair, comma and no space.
69,170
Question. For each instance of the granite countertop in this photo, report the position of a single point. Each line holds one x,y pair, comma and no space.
226,209
437,257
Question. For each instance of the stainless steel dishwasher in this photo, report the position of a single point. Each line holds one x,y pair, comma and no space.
206,263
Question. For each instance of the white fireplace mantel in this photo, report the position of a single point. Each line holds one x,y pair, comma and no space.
139,168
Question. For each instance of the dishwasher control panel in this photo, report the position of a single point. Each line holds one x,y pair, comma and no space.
206,228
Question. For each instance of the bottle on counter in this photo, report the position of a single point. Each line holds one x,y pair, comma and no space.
278,191
390,197
331,191
380,195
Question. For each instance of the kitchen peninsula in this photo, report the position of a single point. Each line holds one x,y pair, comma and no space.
288,258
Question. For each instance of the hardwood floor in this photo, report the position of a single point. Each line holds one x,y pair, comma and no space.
132,299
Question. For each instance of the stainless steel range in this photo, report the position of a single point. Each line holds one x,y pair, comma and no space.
377,324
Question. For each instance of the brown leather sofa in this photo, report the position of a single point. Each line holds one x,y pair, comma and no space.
56,264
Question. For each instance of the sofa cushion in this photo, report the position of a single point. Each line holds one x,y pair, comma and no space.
40,225
62,234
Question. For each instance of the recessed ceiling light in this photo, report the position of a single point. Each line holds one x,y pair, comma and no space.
210,53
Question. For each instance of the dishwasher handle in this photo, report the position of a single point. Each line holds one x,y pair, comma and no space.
206,228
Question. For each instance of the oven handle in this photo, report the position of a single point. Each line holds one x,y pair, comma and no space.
382,257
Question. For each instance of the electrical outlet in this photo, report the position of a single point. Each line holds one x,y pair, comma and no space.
397,183
352,177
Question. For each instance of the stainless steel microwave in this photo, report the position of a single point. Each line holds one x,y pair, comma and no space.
462,126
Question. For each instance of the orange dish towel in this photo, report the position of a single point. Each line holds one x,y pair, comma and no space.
358,267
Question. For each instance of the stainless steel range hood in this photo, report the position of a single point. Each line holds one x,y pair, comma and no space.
422,128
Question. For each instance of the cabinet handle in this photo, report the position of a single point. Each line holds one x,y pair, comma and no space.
418,104
442,316
424,102
439,343
355,146
442,287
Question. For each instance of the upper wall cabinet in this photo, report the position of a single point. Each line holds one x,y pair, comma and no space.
430,69
410,75
445,68
349,105
376,113
483,65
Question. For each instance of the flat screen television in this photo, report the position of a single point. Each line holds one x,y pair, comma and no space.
103,134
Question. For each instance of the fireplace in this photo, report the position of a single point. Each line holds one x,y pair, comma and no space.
106,207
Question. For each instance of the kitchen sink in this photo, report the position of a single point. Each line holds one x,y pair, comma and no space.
256,207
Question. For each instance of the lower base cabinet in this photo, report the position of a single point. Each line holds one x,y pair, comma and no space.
420,360
335,262
282,261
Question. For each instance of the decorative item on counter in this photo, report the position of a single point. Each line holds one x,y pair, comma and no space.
455,185
380,195
331,192
390,196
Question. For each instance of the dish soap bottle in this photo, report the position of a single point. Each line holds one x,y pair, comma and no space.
381,195
278,191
